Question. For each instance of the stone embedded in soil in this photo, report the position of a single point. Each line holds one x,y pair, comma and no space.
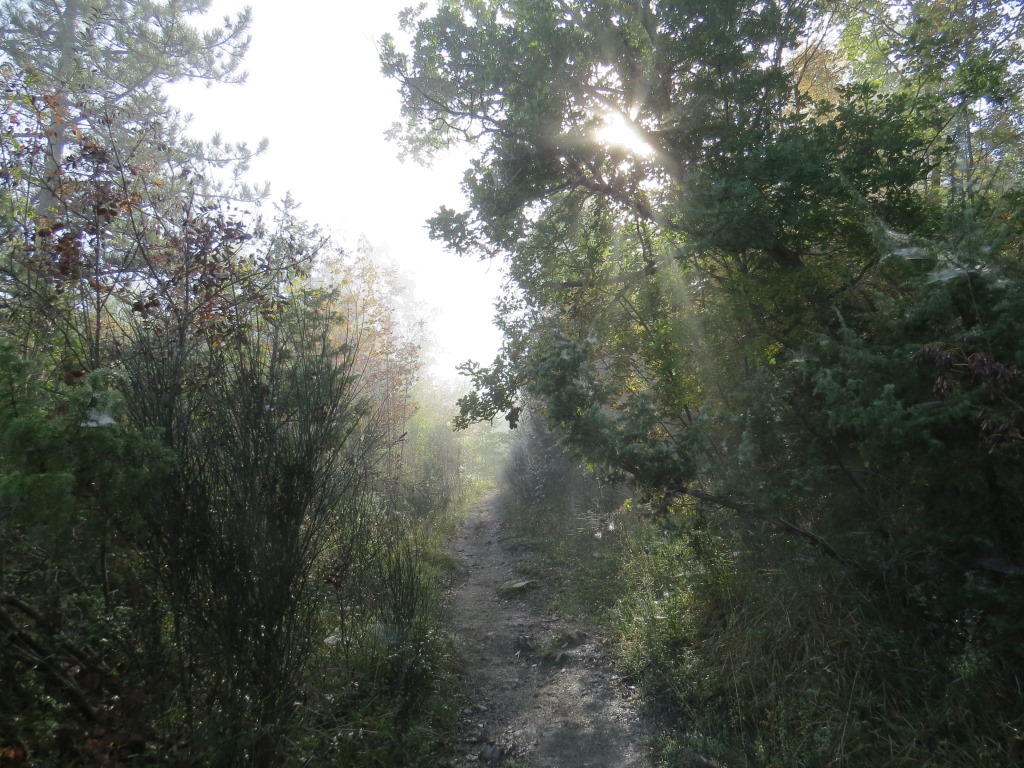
514,588
491,753
524,643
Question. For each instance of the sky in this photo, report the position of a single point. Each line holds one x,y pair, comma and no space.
314,89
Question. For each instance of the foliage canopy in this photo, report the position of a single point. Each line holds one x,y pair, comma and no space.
790,288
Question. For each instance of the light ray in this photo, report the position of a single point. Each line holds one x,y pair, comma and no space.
618,132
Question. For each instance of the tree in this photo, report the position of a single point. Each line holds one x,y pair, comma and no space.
746,212
99,67
202,425
105,221
765,263
95,168
787,286
264,424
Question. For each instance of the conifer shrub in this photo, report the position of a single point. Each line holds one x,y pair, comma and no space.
77,618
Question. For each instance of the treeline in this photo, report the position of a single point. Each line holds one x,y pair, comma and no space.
766,267
222,516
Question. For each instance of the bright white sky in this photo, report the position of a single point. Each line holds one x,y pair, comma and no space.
315,91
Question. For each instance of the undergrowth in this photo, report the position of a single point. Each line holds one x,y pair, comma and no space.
97,668
385,690
770,656
566,523
754,650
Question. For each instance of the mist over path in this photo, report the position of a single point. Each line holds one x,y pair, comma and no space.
539,690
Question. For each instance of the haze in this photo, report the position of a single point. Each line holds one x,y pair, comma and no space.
315,91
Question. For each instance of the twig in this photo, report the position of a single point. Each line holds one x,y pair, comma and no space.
37,656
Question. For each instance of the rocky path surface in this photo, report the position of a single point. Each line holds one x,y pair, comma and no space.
541,695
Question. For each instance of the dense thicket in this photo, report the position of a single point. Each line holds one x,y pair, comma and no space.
766,263
215,548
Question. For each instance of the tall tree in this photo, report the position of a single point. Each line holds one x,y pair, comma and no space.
96,168
723,190
99,65
765,257
714,284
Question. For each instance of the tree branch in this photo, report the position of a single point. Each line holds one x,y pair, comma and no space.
36,655
782,524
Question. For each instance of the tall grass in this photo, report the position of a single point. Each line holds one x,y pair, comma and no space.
753,649
771,656
384,692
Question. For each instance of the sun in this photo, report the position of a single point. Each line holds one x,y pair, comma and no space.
618,132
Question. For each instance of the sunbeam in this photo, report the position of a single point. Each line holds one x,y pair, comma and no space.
618,132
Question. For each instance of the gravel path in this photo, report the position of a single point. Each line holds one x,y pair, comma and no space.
541,695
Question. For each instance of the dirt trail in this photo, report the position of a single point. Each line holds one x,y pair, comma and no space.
541,695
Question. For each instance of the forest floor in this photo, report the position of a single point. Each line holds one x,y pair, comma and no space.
540,693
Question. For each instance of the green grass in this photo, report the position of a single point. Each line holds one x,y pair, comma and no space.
578,570
769,656
567,528
385,692
753,649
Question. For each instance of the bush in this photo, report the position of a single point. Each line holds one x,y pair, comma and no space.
756,649
772,655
